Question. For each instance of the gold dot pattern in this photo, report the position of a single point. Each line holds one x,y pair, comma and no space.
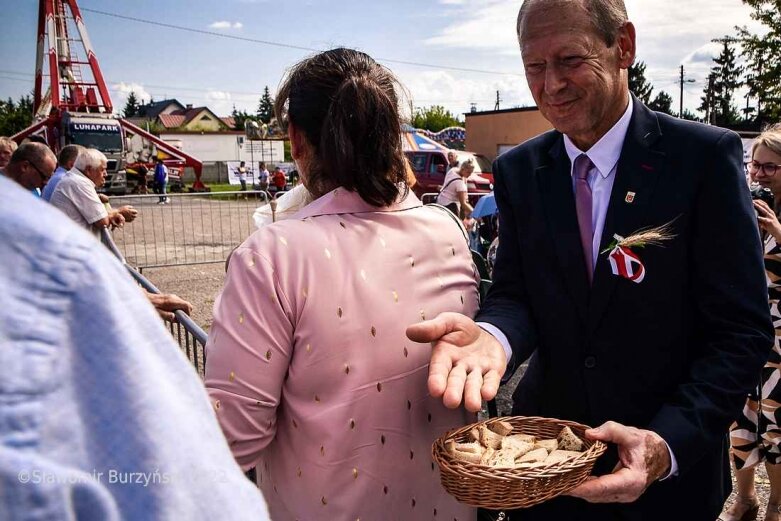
217,405
348,353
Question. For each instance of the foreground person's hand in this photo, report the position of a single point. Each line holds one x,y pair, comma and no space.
643,458
466,361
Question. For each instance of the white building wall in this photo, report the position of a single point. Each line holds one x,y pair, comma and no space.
224,147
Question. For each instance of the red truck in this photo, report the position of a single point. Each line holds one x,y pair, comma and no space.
430,167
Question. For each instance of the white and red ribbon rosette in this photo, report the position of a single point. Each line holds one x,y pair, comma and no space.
626,263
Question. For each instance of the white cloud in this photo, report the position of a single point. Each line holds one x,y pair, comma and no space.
669,33
224,24
456,91
120,92
220,102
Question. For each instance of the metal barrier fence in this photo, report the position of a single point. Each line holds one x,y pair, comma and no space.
190,337
198,228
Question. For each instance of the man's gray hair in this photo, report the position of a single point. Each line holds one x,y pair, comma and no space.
607,16
69,153
31,152
90,158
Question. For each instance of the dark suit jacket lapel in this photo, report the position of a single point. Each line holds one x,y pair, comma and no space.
638,170
554,179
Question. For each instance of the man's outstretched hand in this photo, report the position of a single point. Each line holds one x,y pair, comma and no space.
643,459
466,361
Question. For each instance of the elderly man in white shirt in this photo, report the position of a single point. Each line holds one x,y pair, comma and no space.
75,194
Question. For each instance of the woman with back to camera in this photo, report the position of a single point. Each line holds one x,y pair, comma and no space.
756,436
309,369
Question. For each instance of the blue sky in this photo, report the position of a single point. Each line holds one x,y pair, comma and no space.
473,34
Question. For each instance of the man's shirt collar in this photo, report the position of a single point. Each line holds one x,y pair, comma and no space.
605,152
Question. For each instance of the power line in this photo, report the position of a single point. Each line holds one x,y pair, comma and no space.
287,45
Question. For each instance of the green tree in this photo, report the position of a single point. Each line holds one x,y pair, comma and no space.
663,102
15,117
131,106
763,54
691,116
638,84
266,107
240,117
434,118
718,96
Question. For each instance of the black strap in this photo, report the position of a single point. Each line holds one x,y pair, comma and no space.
448,184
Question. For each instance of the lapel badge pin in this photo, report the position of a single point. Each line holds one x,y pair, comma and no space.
630,197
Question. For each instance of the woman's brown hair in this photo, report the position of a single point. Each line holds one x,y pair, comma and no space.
346,105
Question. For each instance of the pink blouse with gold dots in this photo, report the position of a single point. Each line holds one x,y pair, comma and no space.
310,372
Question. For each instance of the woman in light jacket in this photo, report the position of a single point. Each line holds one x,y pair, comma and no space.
308,367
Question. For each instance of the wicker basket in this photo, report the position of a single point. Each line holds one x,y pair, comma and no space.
500,488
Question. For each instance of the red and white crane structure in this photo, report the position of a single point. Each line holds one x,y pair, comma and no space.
75,106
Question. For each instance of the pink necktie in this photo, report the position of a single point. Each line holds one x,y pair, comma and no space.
583,206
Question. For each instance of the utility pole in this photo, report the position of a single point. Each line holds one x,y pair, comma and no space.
709,117
682,80
498,99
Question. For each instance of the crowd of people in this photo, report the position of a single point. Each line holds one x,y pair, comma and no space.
350,334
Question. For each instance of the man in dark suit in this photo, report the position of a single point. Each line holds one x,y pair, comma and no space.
661,357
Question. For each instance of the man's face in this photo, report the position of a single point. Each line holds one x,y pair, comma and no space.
34,174
97,174
575,78
451,157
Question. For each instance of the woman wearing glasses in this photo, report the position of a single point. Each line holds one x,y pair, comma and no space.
756,435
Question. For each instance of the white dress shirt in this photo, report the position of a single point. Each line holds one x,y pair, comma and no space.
604,155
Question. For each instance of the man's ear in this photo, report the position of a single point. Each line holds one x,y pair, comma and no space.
626,40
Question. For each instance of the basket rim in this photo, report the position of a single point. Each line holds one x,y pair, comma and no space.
464,468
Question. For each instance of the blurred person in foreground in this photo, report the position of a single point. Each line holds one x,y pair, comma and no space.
65,161
98,406
75,194
7,147
308,368
655,347
756,436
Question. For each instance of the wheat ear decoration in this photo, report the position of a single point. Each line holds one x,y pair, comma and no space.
648,237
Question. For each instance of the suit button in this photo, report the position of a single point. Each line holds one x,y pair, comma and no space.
590,362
